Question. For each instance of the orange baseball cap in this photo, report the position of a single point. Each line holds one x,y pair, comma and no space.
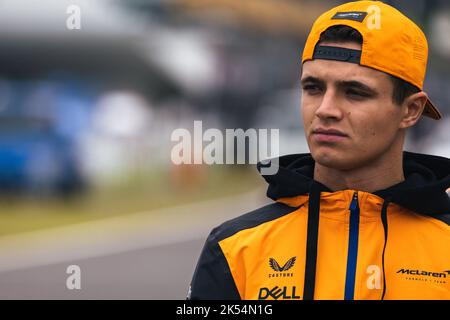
392,43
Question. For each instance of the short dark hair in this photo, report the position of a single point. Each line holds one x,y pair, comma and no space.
341,33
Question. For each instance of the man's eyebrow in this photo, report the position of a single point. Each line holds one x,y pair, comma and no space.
312,79
357,85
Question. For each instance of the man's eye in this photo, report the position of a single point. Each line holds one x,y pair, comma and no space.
357,94
312,89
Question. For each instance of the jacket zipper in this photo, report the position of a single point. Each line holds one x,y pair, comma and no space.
352,255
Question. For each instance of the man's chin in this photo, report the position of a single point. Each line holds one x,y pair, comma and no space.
332,160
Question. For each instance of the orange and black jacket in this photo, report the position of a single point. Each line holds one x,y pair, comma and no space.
312,243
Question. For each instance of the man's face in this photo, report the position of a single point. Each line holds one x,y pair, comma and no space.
348,113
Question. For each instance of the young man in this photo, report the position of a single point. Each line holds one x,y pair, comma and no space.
357,218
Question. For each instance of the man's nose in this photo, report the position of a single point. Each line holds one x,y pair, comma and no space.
329,108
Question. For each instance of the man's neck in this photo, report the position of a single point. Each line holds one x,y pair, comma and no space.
378,175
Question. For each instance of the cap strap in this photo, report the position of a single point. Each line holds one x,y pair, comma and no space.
337,53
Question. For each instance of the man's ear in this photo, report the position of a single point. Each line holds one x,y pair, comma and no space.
412,109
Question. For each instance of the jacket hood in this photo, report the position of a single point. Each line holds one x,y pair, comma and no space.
423,190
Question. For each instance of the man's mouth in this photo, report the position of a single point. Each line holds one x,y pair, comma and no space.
328,135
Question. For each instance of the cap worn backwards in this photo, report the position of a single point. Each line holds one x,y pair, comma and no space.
392,43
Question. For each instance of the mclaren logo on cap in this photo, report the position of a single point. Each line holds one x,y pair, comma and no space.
352,15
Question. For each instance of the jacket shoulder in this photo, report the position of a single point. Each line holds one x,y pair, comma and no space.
252,219
212,277
444,218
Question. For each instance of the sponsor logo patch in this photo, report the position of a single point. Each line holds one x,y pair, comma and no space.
351,15
280,271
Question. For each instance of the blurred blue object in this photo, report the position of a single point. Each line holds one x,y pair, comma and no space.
40,124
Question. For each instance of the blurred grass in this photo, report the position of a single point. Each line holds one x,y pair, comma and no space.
144,191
